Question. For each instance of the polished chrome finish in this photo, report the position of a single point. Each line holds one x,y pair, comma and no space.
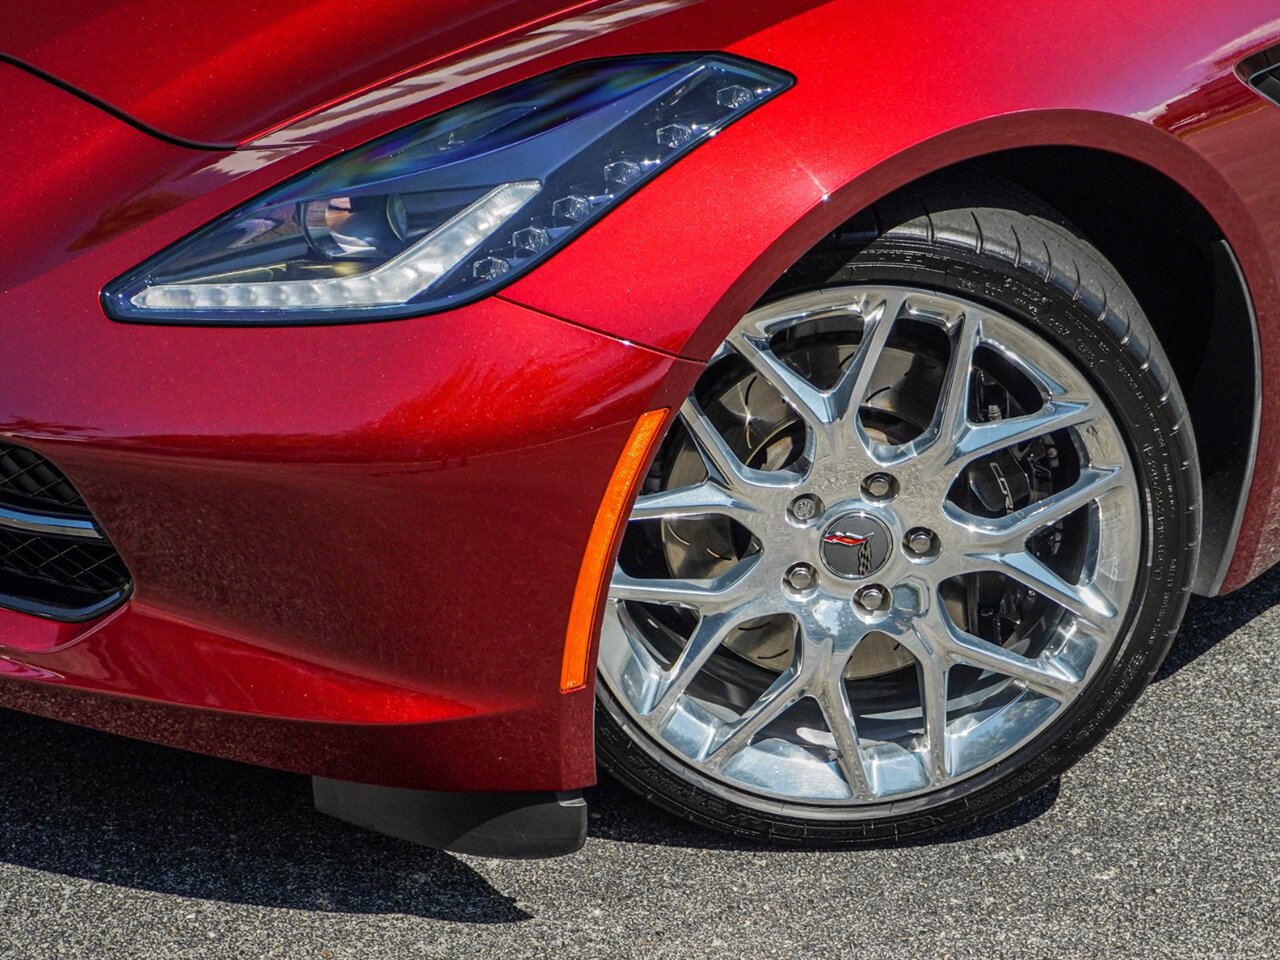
872,598
797,729
879,486
800,577
920,542
48,524
805,508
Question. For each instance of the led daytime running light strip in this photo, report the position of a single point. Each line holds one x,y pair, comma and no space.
398,280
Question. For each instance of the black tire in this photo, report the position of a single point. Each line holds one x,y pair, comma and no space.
994,243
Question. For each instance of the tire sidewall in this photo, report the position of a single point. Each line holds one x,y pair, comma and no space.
1151,417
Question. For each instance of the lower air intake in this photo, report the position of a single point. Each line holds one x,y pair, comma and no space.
55,561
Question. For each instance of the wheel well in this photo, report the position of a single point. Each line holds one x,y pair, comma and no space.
1175,260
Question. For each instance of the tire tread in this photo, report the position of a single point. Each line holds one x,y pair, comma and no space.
990,220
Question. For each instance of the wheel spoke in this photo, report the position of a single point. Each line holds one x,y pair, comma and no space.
817,407
1085,600
701,595
782,693
721,462
854,385
1041,674
700,500
933,695
977,440
833,697
707,636
928,640
829,411
1011,531
952,418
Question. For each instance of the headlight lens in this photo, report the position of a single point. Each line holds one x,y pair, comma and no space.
447,210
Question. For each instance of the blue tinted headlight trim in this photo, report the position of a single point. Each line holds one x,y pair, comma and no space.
576,142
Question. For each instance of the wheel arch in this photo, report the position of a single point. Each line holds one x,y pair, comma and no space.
1117,178
1143,230
816,185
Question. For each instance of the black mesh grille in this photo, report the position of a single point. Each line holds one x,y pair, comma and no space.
28,479
49,574
86,566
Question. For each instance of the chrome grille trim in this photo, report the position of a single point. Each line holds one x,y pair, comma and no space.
26,521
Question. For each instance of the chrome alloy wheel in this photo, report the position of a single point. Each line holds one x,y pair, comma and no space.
892,537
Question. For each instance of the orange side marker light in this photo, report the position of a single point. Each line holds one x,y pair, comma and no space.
597,561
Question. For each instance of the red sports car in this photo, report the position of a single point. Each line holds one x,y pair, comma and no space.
817,413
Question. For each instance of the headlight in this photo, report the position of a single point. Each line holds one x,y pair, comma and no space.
450,209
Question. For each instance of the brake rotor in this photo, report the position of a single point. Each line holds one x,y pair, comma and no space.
768,435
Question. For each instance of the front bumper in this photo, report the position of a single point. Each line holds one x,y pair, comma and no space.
354,548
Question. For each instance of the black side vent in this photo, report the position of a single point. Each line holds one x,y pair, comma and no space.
55,561
28,478
1268,84
1262,72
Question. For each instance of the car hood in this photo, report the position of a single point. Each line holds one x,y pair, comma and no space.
221,73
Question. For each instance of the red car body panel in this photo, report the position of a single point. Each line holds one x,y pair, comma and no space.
237,438
355,547
226,73
187,63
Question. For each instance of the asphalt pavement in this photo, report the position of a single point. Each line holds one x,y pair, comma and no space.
1165,842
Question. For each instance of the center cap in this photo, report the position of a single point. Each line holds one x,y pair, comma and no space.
855,545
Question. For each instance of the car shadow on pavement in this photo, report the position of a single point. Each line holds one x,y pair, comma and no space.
103,808
619,814
1211,620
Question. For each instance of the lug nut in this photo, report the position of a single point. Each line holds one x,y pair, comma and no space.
920,542
878,486
800,577
805,507
872,598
